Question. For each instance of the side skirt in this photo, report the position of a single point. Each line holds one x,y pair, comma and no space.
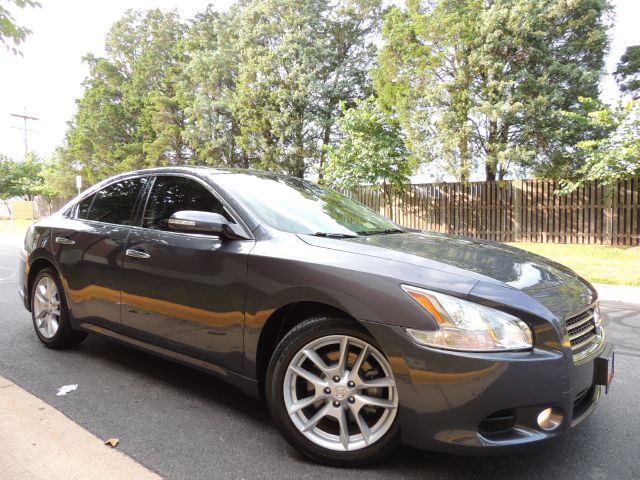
247,385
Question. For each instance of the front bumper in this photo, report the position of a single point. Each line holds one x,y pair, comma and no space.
479,403
23,274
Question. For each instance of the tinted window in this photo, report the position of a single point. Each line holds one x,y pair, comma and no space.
83,207
172,194
114,204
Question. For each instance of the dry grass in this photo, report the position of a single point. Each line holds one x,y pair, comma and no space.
14,226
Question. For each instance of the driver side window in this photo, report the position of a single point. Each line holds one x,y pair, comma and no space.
172,194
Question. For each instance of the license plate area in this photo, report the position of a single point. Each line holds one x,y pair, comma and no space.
604,368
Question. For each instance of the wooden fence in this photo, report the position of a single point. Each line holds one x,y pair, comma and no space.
518,211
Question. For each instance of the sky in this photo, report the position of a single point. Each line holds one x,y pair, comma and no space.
46,80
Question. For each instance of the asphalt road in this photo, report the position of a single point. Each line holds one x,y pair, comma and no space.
184,424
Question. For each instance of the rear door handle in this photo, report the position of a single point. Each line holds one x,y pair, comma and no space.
65,241
131,252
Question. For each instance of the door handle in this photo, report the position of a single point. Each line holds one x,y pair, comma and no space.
65,241
131,252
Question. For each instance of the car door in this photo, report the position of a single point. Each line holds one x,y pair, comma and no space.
185,291
88,245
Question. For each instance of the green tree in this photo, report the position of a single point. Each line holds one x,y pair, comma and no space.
28,176
257,86
130,115
12,34
371,151
7,187
208,89
20,179
615,155
297,61
58,177
628,72
473,80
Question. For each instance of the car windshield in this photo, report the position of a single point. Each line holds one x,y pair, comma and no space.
298,206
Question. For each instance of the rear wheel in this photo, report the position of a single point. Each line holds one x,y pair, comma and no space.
49,312
332,393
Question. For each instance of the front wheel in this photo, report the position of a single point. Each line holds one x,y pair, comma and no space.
332,393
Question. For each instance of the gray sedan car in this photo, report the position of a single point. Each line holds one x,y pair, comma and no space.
359,334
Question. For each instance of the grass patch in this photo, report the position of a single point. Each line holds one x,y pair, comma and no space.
596,263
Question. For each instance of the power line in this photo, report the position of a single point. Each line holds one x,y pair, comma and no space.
24,118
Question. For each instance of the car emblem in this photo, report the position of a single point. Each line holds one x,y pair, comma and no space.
340,392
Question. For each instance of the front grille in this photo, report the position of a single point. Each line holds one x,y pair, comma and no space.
582,331
498,423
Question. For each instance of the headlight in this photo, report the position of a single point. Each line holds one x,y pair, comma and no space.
467,326
597,317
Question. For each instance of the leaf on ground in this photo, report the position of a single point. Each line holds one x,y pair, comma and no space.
113,442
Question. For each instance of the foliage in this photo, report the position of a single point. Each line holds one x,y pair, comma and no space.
20,179
208,89
58,177
628,72
464,84
258,86
615,155
473,80
371,151
129,116
11,34
272,74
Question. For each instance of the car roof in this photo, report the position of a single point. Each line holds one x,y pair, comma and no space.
203,170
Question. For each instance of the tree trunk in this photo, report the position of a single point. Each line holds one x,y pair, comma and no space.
299,166
326,136
465,160
490,171
8,205
491,163
386,195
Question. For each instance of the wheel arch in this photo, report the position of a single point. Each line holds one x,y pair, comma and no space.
35,267
282,321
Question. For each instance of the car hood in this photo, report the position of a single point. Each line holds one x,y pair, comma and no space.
555,286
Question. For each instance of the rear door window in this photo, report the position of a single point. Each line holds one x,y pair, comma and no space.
115,203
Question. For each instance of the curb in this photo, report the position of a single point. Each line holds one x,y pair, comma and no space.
618,293
41,443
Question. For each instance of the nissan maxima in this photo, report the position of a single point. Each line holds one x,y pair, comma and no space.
359,334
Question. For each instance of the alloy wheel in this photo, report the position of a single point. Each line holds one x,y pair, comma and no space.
46,307
340,393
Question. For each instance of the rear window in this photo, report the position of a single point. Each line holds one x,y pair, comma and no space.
113,204
83,207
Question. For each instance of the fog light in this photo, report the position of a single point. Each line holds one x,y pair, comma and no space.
550,419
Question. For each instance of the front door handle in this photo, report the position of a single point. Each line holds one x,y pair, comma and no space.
131,252
65,241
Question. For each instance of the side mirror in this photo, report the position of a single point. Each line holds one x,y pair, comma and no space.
198,222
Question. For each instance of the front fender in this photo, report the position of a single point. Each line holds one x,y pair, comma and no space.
366,288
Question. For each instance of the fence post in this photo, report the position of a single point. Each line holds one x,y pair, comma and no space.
517,213
607,214
444,219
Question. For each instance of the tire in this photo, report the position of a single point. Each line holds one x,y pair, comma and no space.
343,414
49,312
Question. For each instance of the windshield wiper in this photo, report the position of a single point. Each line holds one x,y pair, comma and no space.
381,232
334,235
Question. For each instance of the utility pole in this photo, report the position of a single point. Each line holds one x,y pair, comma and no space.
24,128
